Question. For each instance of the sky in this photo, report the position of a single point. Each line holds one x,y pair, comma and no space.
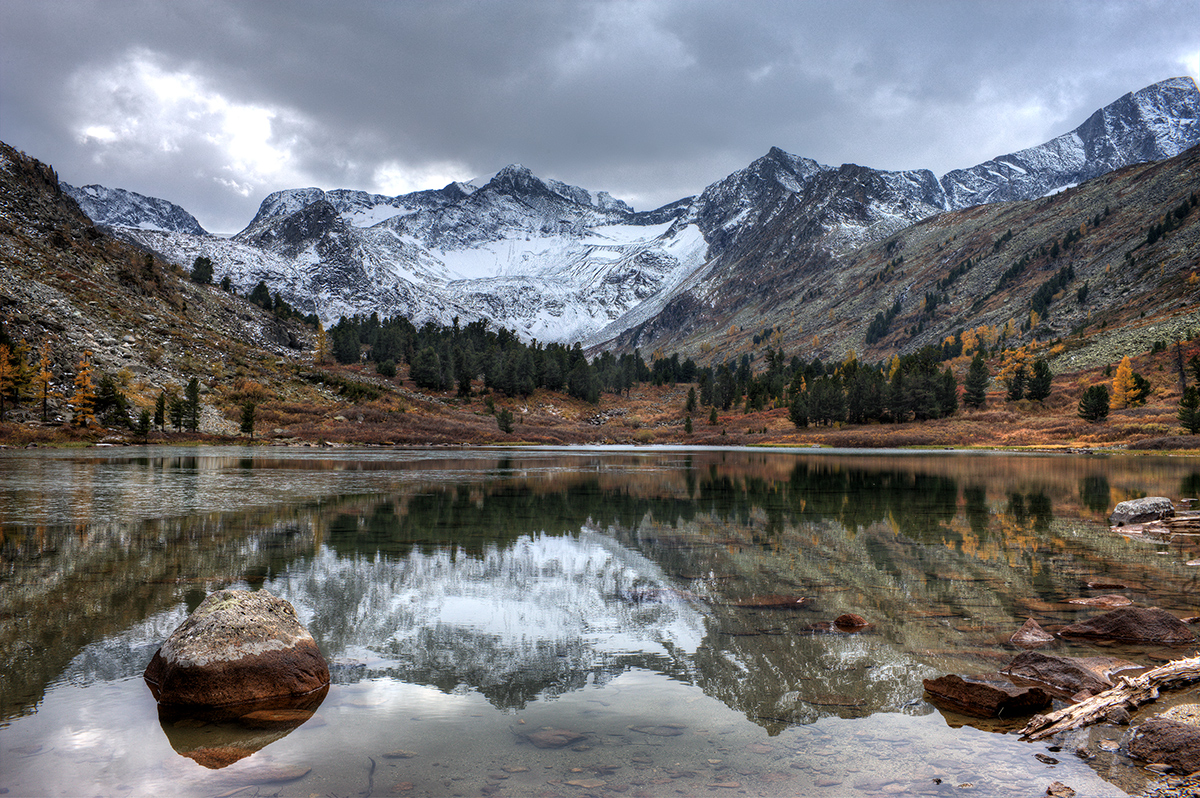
214,104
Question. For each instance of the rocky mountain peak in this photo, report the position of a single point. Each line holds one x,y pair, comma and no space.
116,207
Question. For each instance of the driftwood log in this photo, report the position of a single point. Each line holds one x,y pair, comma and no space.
1129,692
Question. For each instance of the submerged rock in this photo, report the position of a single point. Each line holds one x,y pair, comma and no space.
553,738
849,622
1031,635
1137,511
985,697
1133,625
237,647
1069,675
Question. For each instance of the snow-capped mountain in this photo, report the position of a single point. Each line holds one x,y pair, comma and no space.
561,263
1160,121
116,207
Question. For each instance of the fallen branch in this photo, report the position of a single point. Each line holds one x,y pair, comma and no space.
1130,691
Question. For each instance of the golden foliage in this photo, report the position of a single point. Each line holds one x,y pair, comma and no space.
1123,386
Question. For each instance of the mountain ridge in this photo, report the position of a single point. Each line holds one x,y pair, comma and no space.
559,262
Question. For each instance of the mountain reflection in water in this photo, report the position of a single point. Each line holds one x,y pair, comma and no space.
531,575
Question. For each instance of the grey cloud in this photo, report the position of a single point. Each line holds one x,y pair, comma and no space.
649,100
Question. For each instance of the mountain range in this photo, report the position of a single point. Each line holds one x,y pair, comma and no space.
560,263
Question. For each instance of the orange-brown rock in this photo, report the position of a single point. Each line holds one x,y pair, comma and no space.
238,646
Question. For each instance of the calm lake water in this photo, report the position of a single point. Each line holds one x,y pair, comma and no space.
470,601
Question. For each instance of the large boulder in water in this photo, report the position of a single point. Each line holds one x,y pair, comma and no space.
238,646
1133,625
985,696
1069,675
1137,511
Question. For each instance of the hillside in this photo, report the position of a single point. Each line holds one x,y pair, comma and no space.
68,284
960,270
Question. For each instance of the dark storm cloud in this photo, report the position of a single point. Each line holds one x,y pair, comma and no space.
214,104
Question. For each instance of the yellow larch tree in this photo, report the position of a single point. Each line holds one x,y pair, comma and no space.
1124,387
83,401
8,377
44,376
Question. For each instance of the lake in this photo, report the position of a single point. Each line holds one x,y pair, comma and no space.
571,621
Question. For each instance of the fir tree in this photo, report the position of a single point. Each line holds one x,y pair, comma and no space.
160,410
143,426
797,410
177,411
193,405
712,416
247,426
1093,406
202,271
975,387
1016,385
1039,383
1189,410
504,419
690,405
687,425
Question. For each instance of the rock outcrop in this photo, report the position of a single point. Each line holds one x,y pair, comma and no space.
237,647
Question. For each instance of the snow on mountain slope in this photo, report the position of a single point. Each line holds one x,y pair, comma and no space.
1159,121
563,263
116,207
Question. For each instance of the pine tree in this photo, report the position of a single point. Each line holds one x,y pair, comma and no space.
83,401
712,416
690,406
1039,384
1123,386
687,425
1093,406
975,387
1189,410
504,419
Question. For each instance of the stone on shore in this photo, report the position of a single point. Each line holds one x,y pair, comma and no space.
238,646
1137,511
1133,625
1161,739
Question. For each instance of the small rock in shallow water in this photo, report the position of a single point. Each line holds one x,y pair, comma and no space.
665,730
1059,790
553,738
